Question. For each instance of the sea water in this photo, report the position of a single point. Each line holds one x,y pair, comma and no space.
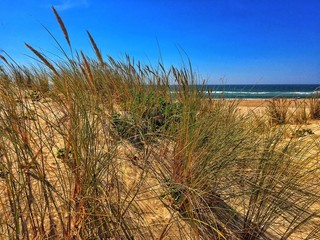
249,91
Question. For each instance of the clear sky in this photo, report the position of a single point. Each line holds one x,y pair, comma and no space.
229,41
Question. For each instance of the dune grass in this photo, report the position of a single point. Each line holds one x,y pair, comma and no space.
106,149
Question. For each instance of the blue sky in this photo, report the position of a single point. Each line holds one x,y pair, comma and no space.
229,41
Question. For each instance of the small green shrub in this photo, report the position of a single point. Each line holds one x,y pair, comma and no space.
128,128
161,113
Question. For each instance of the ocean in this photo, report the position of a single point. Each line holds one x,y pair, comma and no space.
251,91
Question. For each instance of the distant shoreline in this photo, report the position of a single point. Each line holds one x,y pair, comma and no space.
260,91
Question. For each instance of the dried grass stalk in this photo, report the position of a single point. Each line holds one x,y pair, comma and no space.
62,26
314,103
4,59
96,49
43,59
277,110
88,72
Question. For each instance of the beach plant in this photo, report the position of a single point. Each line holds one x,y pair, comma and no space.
46,199
160,113
314,103
129,129
254,194
277,110
146,117
300,114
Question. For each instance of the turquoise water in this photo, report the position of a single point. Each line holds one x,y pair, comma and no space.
265,90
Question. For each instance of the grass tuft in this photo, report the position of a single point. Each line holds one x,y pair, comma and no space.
277,110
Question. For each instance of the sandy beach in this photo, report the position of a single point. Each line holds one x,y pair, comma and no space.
254,103
259,105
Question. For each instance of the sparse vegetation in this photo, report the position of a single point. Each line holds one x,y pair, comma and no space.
277,110
106,149
300,113
314,107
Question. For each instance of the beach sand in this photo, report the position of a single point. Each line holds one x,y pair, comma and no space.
254,103
259,105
